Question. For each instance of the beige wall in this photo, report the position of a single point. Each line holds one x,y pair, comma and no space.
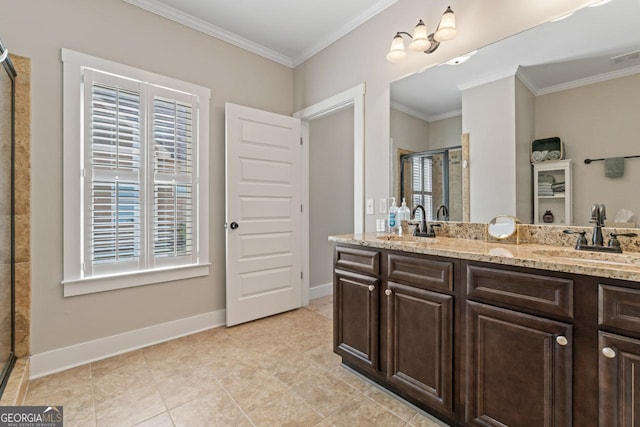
408,132
360,57
330,189
488,116
445,133
596,121
525,123
117,31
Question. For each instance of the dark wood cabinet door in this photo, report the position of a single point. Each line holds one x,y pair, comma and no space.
356,321
519,369
619,369
420,344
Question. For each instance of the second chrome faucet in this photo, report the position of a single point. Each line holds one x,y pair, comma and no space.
598,215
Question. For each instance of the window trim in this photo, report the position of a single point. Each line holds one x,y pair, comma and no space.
73,161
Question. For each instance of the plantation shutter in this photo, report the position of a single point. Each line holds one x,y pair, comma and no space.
113,170
422,184
173,219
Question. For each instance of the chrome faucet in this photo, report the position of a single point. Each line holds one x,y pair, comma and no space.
598,215
445,213
426,232
424,220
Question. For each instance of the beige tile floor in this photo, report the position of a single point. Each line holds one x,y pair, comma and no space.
271,372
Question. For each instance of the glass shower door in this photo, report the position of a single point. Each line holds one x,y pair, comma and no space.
7,273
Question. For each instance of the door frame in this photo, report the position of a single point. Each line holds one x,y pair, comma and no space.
350,97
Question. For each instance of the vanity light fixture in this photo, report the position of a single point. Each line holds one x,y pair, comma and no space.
421,40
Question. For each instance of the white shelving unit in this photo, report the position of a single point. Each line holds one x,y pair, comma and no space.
560,203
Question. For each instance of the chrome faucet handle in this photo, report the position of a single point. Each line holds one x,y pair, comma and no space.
615,243
582,239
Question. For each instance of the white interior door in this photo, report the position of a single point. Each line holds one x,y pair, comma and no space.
263,194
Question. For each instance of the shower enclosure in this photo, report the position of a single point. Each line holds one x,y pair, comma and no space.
7,216
433,179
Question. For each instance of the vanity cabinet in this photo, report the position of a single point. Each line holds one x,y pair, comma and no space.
619,367
394,321
420,336
518,365
518,369
482,344
619,356
356,308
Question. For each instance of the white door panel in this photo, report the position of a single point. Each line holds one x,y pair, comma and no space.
263,193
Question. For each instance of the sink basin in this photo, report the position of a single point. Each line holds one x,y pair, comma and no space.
591,257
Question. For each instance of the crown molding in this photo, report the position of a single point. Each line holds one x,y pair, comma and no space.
590,80
209,29
527,82
410,111
334,36
447,115
425,117
173,14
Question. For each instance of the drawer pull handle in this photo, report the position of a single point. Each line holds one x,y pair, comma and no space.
388,292
372,288
562,340
609,353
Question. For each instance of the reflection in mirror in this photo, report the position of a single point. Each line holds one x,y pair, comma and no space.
559,79
502,227
433,179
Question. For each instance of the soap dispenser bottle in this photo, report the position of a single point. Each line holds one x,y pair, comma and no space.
393,216
404,214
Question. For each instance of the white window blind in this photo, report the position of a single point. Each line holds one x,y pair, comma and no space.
173,172
422,184
139,191
136,176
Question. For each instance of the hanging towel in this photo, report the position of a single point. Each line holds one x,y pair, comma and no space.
614,167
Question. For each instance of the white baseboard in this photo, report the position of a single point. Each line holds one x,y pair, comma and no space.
320,291
60,359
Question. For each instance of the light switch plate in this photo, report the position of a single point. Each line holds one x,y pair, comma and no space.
382,205
370,207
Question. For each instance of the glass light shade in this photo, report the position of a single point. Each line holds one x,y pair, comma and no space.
396,52
419,43
447,28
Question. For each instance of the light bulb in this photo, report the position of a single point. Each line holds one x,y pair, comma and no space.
419,42
396,52
447,27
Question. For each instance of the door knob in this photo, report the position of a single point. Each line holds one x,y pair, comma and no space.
234,225
562,340
372,288
608,352
388,292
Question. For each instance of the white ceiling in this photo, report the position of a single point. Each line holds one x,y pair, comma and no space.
286,31
553,56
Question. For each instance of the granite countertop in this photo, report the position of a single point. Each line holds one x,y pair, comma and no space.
625,266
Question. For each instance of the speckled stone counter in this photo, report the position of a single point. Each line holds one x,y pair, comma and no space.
625,266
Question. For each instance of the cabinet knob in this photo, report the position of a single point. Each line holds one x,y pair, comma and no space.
372,288
388,292
562,340
608,352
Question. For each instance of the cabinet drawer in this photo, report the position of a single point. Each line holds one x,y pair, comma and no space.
545,294
424,273
619,308
358,260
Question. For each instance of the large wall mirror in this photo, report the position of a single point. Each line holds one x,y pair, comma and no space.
577,78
